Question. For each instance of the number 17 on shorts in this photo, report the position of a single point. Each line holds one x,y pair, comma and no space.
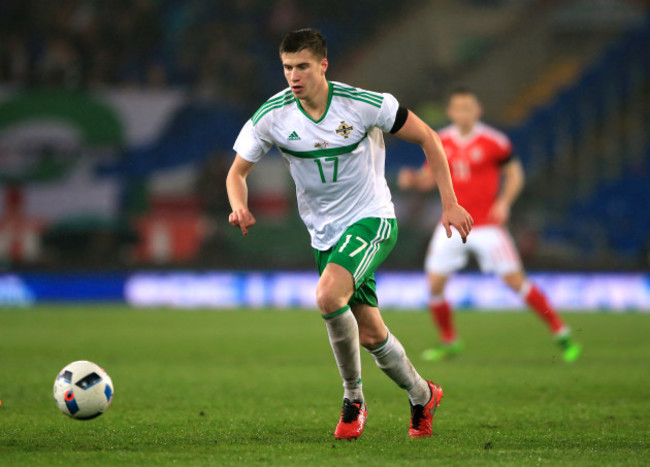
364,246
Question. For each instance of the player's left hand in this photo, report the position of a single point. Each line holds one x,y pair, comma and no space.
457,216
243,219
499,212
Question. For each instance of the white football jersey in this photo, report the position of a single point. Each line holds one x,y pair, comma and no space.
336,162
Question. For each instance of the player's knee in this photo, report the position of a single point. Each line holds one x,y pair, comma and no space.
515,280
328,301
437,290
437,284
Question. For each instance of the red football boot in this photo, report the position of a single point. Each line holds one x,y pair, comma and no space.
422,415
353,419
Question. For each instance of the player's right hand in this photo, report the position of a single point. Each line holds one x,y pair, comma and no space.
243,219
406,179
455,215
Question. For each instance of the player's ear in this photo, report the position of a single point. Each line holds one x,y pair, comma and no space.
323,65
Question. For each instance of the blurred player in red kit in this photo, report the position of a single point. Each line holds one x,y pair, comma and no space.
487,179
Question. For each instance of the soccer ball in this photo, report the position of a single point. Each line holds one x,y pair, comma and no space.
83,390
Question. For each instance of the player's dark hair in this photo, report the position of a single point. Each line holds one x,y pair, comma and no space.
462,91
302,39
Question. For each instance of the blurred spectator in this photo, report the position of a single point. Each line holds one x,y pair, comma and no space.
211,191
61,64
211,186
14,63
220,48
285,16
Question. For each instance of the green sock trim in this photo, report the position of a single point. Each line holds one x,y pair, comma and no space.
383,344
334,314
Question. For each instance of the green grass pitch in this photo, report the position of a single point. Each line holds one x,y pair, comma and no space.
261,387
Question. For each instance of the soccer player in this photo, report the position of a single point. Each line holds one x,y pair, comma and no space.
479,158
331,138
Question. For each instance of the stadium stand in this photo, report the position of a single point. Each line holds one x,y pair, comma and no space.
218,48
589,146
583,148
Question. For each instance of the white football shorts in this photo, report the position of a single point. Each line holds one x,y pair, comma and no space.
492,246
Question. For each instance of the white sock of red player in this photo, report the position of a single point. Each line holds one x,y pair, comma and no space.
343,333
536,299
442,316
391,358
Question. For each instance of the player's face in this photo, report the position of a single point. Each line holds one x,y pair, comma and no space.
304,72
464,110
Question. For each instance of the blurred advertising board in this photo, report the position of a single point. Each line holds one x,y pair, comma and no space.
397,290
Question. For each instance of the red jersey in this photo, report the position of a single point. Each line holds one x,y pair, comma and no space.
475,161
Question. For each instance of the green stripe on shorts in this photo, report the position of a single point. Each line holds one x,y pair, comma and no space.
361,249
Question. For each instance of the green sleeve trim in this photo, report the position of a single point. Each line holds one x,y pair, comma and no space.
318,153
272,102
334,314
366,101
358,92
258,116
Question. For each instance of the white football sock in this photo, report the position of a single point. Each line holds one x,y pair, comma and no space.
391,358
343,333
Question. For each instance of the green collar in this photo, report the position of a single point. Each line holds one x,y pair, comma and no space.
329,101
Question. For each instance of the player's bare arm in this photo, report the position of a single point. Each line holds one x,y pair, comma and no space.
238,194
513,182
453,214
421,179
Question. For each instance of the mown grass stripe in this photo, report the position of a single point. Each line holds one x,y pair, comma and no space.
569,424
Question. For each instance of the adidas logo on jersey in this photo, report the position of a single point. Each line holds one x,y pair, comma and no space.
294,137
